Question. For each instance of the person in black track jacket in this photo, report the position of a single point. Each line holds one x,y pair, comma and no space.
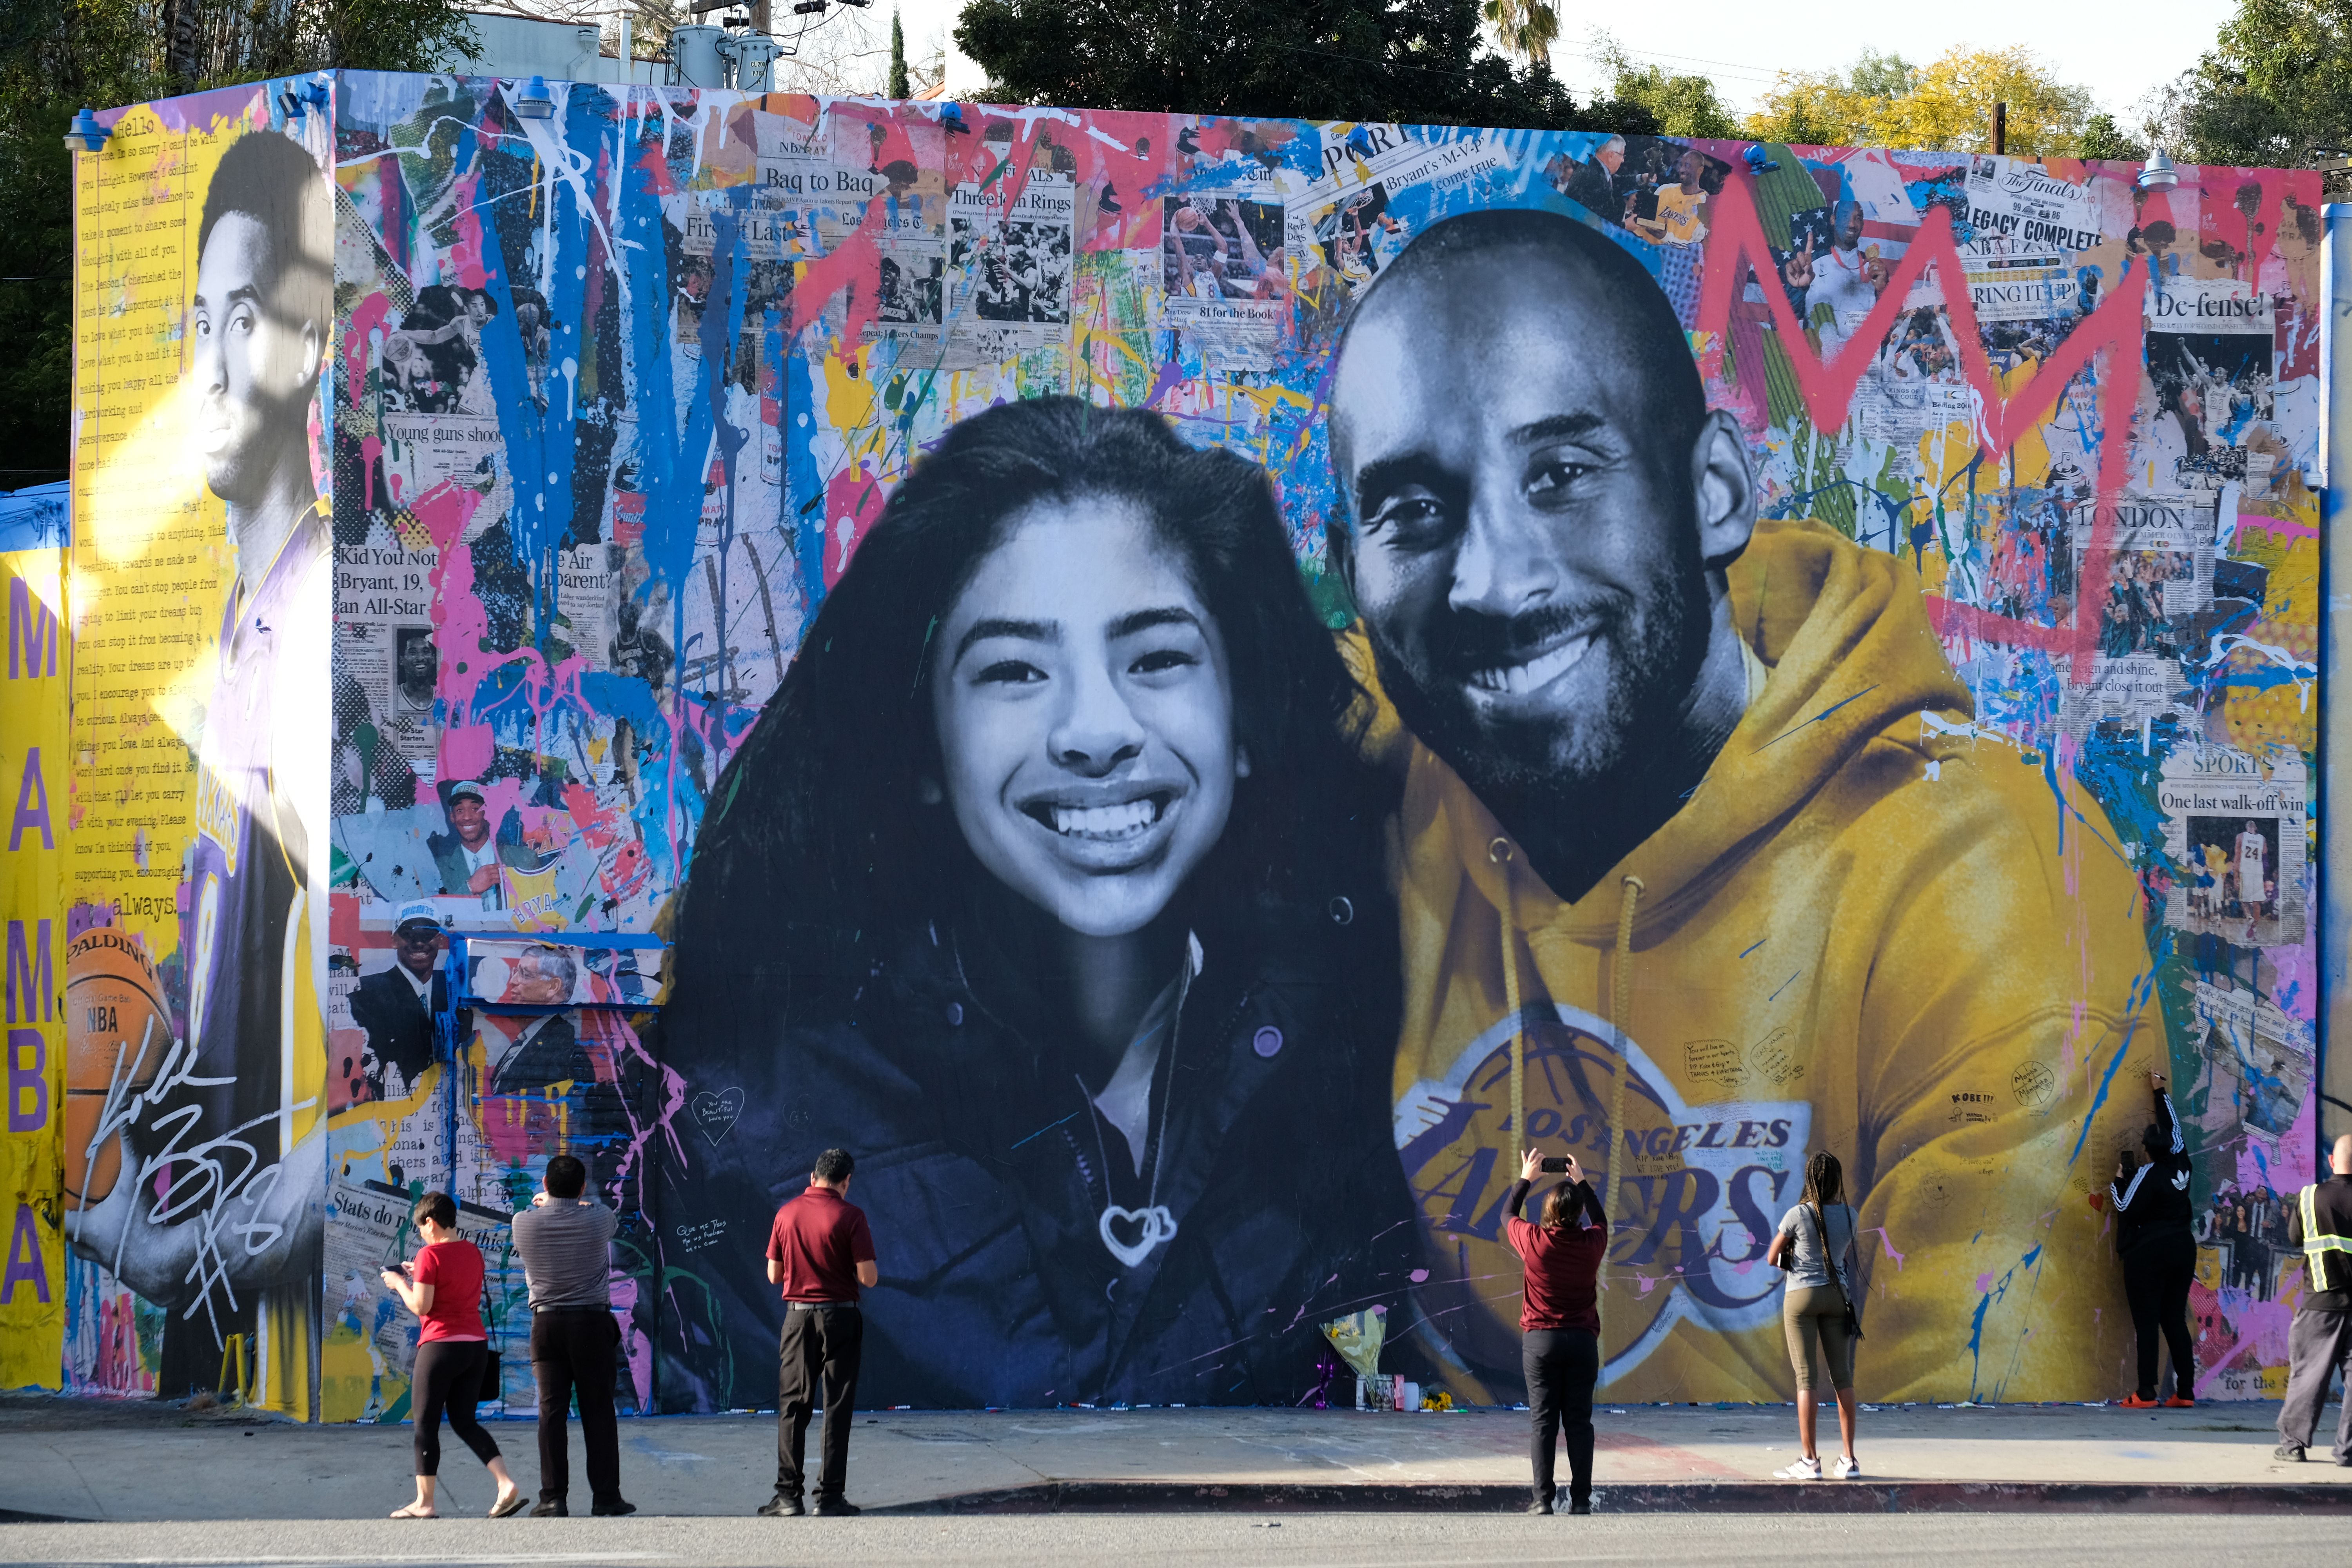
2159,1253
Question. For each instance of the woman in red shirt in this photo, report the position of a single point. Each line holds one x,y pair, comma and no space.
1559,1325
443,1286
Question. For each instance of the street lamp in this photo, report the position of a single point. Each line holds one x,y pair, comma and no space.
2158,174
533,103
85,134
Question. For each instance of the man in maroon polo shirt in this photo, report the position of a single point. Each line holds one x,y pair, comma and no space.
819,1251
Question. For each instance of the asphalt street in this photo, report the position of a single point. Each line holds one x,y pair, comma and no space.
1387,1540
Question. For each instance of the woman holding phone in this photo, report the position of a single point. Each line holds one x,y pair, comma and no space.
1049,880
443,1286
1559,1325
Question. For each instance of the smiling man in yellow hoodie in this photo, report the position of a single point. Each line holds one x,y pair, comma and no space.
1716,781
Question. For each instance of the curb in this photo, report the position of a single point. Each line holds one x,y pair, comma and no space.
1652,1497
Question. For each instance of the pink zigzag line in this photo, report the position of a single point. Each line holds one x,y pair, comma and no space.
1736,242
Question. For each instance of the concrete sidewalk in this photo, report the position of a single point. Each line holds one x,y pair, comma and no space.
144,1461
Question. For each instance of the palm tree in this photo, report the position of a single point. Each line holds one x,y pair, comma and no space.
1527,28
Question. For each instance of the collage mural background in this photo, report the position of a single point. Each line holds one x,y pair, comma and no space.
612,400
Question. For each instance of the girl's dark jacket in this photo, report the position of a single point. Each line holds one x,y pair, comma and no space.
984,1174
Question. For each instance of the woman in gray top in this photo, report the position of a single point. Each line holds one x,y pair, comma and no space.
1816,1245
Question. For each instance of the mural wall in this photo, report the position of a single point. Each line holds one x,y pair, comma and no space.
195,1144
32,910
1186,689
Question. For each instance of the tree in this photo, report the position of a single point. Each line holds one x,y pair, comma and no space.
1527,28
898,85
1950,107
2276,86
2103,138
1947,106
57,56
1682,105
1414,61
1823,108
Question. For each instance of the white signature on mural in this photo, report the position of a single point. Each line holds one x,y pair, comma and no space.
215,1202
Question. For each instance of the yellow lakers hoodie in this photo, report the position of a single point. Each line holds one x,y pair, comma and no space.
1870,929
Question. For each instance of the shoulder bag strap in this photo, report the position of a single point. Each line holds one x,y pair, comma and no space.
1829,1255
489,1331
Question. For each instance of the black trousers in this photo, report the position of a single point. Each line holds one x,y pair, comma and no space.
571,1353
448,1377
819,1351
1561,1364
2318,1343
2157,1270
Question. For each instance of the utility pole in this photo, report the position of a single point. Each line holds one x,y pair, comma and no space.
2000,129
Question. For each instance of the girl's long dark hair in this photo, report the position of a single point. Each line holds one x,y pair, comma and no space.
816,857
1824,1179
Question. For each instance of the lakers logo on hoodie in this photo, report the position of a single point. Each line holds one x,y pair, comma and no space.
1869,913
1700,1185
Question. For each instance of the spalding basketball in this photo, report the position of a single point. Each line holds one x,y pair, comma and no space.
118,1031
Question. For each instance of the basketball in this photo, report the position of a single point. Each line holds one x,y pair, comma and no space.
116,1023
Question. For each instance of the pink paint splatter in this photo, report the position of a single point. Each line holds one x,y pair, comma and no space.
466,255
368,317
853,504
370,453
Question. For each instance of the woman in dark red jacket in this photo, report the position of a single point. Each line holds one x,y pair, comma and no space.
1560,1326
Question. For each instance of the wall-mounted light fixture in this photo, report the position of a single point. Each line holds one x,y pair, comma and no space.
298,99
85,134
2157,174
533,101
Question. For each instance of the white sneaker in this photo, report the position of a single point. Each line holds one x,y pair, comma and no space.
1849,1468
1799,1470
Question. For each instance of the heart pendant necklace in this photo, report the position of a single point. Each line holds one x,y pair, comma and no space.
1155,1226
1154,1223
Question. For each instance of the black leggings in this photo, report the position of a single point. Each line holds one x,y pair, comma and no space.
448,1374
1561,1366
2157,1272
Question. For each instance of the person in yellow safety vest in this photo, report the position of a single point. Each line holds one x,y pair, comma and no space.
2320,1340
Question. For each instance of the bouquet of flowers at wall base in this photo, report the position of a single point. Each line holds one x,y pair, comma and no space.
1357,1338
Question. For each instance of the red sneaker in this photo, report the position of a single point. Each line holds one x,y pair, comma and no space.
2177,1403
2136,1403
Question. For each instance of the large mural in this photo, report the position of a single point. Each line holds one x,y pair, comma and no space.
1186,689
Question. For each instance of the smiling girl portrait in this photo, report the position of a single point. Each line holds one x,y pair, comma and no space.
1050,885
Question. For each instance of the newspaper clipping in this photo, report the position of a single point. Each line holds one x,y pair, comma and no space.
1343,221
1915,385
2253,1056
384,646
2030,207
2210,362
1009,270
2009,280
585,588
2148,598
2235,829
910,295
420,450
1222,268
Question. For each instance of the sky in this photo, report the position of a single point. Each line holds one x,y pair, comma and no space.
1742,46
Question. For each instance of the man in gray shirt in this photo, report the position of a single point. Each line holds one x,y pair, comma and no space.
565,1241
